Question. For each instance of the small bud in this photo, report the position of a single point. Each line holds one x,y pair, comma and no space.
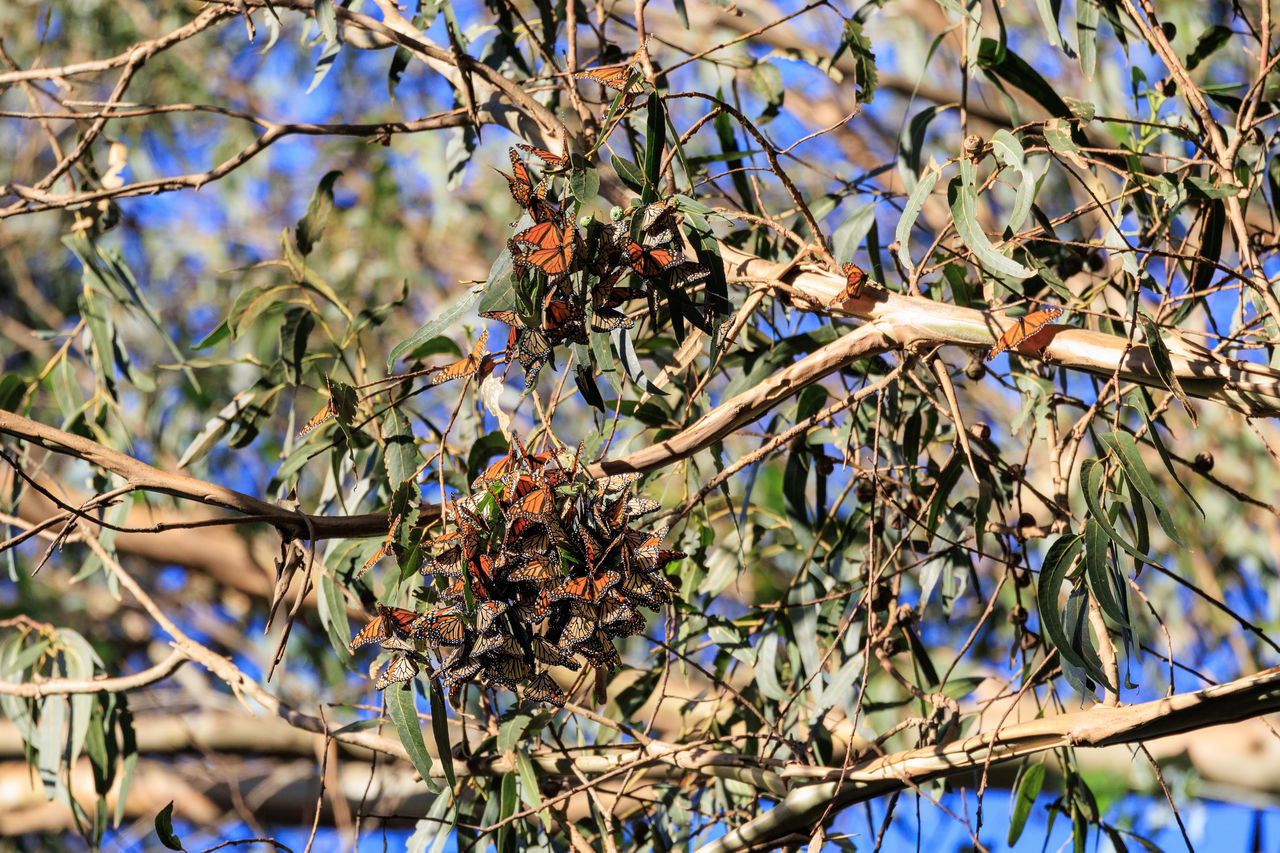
616,213
975,370
1204,462
981,431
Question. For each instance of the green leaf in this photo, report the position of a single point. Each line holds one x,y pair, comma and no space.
1027,791
402,450
864,60
218,426
911,212
327,18
1136,400
311,226
402,708
164,828
440,730
1087,36
962,196
1136,472
436,325
946,483
1098,573
1091,484
628,172
729,143
655,142
584,181
333,615
1209,43
1053,571
529,788
1163,363
128,756
911,143
509,800
850,233
1008,150
1011,68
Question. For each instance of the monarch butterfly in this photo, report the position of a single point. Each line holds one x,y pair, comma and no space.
509,316
445,627
486,612
1026,326
520,181
384,550
538,504
614,608
627,627
501,644
578,630
536,568
392,628
466,366
400,669
654,559
687,273
550,654
641,506
661,222
600,653
541,235
543,689
557,161
644,589
532,351
585,588
535,610
615,77
854,280
607,321
461,674
562,319
556,257
651,261
508,671
330,410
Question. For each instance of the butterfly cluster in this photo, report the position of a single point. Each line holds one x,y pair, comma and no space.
570,282
542,568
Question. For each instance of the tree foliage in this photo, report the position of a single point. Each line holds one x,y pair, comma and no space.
823,406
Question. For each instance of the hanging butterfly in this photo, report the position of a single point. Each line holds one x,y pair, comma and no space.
555,161
626,628
402,668
613,608
464,367
535,569
459,675
1026,327
600,653
329,411
554,258
578,630
497,644
585,588
607,321
445,626
687,273
508,671
520,180
384,550
854,280
486,612
550,654
392,628
532,351
541,235
651,261
544,689
644,589
534,610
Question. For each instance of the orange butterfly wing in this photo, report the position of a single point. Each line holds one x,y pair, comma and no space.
466,366
1023,329
855,280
